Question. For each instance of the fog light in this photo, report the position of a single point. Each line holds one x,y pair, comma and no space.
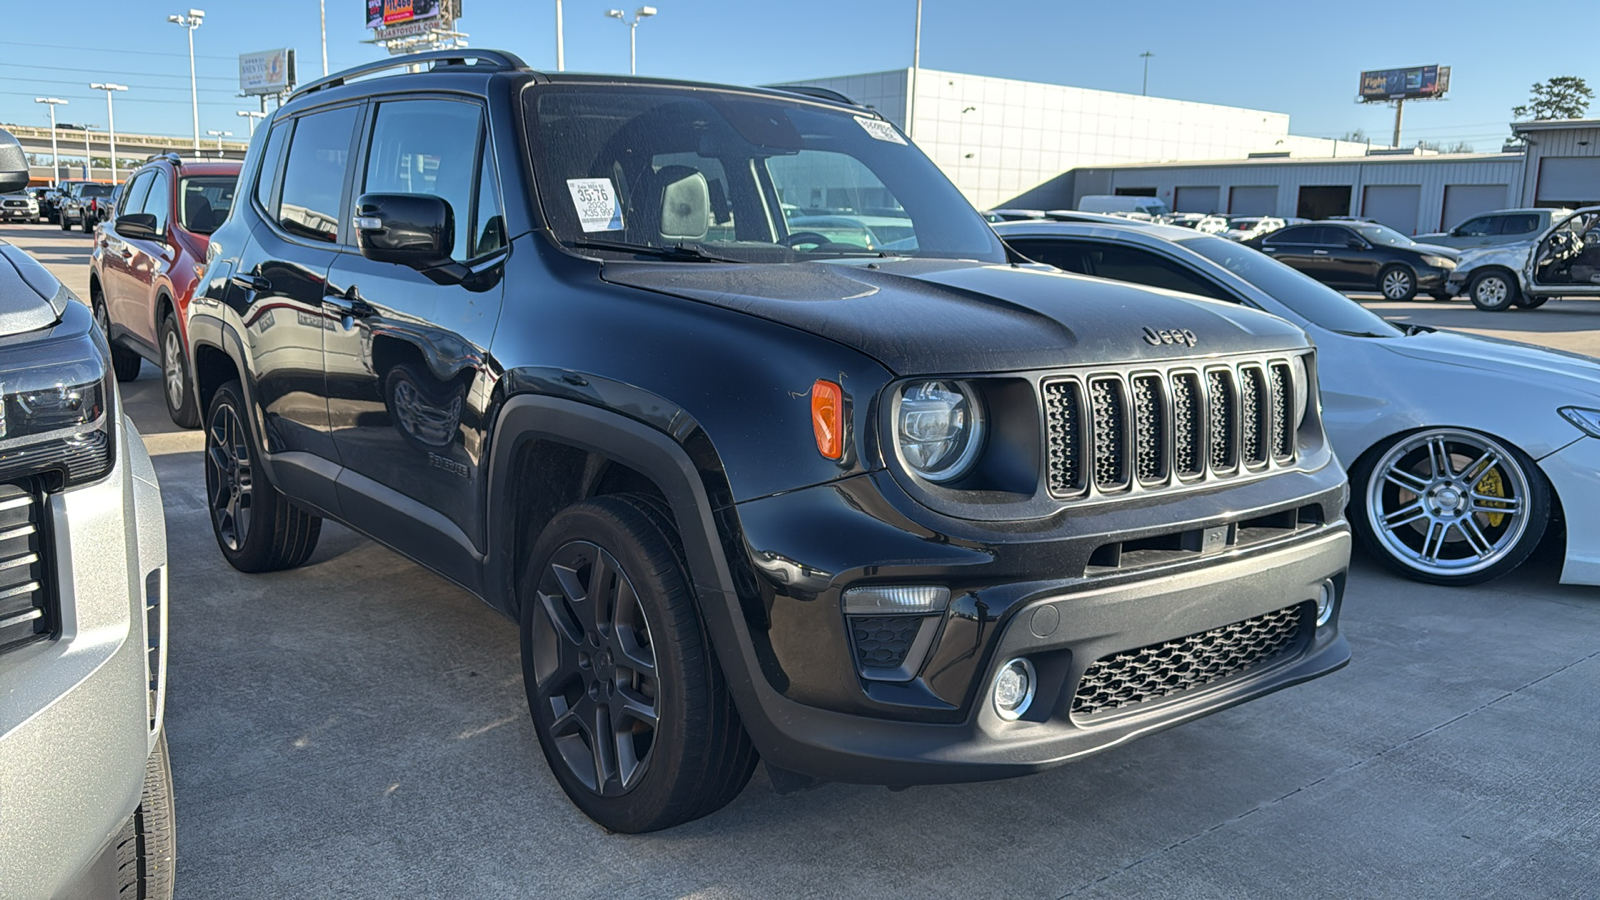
1013,689
1325,595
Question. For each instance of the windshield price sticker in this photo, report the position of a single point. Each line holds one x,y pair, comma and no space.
595,199
880,130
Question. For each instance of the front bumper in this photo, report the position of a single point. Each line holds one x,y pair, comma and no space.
1432,278
79,712
1574,473
815,712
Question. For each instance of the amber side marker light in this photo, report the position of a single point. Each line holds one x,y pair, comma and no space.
827,418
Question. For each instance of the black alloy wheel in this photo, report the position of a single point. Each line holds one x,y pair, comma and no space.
229,479
257,528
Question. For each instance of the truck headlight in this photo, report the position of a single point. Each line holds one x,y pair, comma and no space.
56,418
939,428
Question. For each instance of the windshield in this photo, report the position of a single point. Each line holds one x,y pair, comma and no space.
1382,234
204,202
745,177
1312,300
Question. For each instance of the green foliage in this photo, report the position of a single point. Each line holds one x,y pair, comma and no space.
1562,97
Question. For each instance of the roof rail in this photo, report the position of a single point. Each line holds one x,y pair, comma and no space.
488,59
817,93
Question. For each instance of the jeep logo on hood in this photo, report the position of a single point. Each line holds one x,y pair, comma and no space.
1169,336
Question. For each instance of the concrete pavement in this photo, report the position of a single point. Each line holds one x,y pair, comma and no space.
357,728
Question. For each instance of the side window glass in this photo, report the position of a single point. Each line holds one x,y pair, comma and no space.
488,222
1519,224
133,195
1065,256
313,174
156,202
268,178
1479,227
1301,235
427,147
1140,267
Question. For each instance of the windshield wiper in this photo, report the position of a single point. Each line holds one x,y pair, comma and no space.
681,251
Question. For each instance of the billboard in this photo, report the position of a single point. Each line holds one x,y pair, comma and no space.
396,12
1417,82
266,72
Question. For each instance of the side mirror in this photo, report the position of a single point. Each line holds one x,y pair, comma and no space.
138,227
416,230
13,164
1355,243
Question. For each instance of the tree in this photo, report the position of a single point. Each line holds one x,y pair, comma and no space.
1562,97
1457,147
1358,136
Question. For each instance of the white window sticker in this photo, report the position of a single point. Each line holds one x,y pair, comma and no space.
880,130
595,199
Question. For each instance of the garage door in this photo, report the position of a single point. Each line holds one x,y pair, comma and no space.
1569,181
1463,201
1197,200
1394,205
1253,201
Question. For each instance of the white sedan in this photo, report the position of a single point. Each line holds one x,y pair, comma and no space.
1464,452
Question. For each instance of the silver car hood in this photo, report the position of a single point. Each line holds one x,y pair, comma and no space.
1540,368
30,297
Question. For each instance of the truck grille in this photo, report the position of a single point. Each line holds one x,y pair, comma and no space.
1161,670
1107,432
25,610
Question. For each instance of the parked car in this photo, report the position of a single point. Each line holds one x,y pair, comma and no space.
146,263
102,208
1186,219
88,809
1562,261
1114,204
1010,215
1503,226
745,493
1245,228
77,206
19,206
1362,256
50,202
1448,485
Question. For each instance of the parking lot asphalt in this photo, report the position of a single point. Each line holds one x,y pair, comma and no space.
357,728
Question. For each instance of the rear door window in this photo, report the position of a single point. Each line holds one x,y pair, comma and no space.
313,174
1299,234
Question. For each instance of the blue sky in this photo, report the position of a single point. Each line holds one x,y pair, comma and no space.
1285,56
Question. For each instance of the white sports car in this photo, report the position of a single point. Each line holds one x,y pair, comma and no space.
1464,452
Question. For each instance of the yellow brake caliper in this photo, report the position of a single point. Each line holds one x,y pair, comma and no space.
1492,485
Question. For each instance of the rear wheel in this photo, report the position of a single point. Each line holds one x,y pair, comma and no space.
631,709
65,225
1397,283
147,846
257,528
179,393
1493,291
1450,506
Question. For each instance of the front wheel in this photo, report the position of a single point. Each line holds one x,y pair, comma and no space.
1397,283
1449,506
631,708
147,846
1493,291
257,528
179,393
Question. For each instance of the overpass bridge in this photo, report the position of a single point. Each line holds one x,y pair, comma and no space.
132,150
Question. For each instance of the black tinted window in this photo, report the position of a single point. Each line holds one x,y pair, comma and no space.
269,163
159,198
1067,256
133,195
313,174
1143,267
96,190
1299,234
427,147
205,201
1479,227
1315,301
1519,224
489,224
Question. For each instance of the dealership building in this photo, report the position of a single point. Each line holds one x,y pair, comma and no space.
999,137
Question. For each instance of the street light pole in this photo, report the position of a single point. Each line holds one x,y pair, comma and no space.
219,135
111,122
252,115
561,46
1145,90
55,154
88,161
643,12
190,22
916,66
322,7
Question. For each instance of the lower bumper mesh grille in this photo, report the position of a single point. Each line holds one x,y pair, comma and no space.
1161,670
882,642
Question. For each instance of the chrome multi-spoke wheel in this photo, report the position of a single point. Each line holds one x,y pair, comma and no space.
229,478
172,369
595,667
1397,283
1453,506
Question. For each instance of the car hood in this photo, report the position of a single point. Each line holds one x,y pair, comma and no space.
924,316
1435,250
1536,368
30,297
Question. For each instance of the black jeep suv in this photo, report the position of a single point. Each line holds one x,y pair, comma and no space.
895,512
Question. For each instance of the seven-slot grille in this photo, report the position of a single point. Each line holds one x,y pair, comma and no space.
25,610
1107,431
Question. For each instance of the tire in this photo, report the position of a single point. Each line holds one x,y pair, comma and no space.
1494,290
65,226
1527,302
1405,508
125,363
257,528
1440,296
177,389
426,412
147,846
695,757
86,225
1397,283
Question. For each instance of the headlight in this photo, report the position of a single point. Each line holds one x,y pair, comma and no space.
939,428
1302,389
1586,420
1439,262
55,415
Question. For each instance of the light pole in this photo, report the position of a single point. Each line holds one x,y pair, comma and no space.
643,12
55,155
219,135
190,22
916,66
252,115
88,161
1145,90
561,47
322,7
111,122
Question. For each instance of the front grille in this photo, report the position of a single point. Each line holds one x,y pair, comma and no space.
1106,432
882,642
1161,670
26,613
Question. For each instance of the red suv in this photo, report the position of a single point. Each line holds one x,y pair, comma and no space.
145,264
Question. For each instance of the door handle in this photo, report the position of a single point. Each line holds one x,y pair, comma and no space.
347,302
252,283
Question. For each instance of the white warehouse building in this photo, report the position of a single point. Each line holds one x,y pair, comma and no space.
998,137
